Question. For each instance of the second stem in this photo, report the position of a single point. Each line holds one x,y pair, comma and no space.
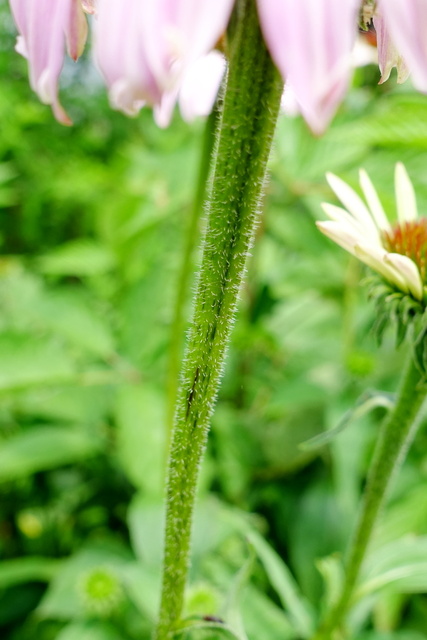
396,435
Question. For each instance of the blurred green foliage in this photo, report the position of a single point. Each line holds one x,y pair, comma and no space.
92,228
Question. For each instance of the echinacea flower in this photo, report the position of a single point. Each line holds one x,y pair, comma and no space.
398,252
148,49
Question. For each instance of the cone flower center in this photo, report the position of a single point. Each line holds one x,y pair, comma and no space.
409,239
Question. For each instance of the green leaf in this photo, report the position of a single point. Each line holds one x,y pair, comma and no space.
232,611
68,313
141,436
283,582
222,630
400,566
26,362
64,599
81,257
366,403
89,631
332,571
392,635
44,448
29,569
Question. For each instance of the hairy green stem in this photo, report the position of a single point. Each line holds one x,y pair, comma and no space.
250,107
397,433
185,273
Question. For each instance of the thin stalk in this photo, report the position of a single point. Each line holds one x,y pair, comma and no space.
397,433
250,108
186,271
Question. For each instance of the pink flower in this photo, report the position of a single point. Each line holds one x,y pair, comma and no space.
406,21
311,43
46,27
145,48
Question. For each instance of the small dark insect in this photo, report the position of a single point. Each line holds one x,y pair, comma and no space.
213,619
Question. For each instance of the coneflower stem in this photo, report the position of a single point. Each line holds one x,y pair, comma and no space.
249,113
185,272
397,433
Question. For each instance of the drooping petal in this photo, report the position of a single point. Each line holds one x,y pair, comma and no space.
409,271
311,43
406,203
44,26
355,205
177,32
200,85
120,55
373,201
145,48
388,55
406,21
376,259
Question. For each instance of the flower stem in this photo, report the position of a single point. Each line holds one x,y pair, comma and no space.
250,107
178,321
397,433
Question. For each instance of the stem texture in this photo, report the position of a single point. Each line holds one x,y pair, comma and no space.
250,107
397,433
178,321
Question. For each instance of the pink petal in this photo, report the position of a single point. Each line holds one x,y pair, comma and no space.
44,26
120,55
144,48
311,43
177,32
407,23
200,85
388,56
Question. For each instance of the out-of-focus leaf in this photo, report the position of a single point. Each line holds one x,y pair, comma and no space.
399,566
261,616
282,580
90,630
205,630
332,571
25,362
366,403
393,635
69,314
77,258
143,584
64,599
29,569
141,437
43,448
233,613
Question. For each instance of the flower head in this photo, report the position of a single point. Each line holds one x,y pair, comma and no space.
398,252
